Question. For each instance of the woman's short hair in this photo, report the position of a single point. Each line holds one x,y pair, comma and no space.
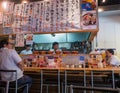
111,51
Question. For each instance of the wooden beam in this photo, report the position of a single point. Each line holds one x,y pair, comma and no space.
92,35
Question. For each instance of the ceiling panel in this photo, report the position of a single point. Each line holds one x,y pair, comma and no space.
108,2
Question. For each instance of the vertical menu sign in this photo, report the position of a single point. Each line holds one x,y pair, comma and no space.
18,14
28,17
8,15
47,16
38,16
74,15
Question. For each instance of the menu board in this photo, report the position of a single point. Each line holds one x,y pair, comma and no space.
55,16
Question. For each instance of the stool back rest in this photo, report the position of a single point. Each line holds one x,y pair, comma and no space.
50,73
109,73
76,75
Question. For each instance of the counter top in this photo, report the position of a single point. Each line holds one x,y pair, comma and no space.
63,68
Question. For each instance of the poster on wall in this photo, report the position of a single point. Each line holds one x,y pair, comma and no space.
29,39
88,5
89,20
89,14
19,40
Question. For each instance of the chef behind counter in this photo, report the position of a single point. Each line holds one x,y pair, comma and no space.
55,48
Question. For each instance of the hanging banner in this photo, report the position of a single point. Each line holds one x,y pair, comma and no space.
29,39
18,16
28,17
47,16
38,17
54,15
19,40
8,15
1,17
10,7
74,15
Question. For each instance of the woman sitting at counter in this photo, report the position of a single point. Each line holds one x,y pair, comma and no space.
111,58
55,48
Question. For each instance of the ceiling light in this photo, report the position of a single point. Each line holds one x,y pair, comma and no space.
46,0
103,1
25,1
4,4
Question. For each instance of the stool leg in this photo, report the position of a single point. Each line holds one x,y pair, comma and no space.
7,87
47,88
71,90
62,88
58,82
3,90
65,82
27,88
41,81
